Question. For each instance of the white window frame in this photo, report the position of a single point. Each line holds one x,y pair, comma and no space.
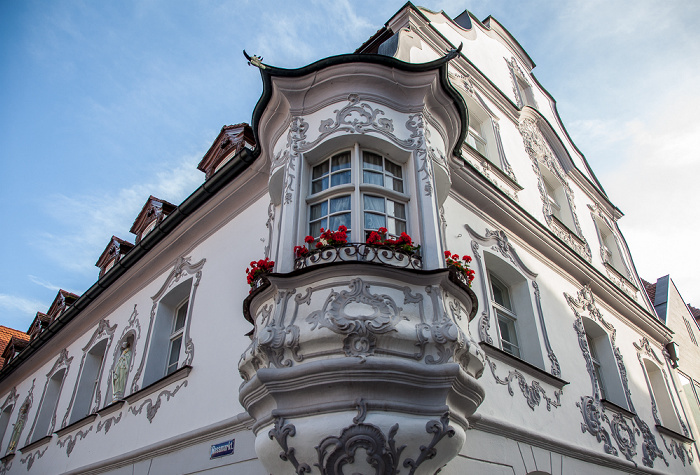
505,316
357,189
177,335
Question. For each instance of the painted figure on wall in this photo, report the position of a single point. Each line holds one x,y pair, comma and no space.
17,429
120,372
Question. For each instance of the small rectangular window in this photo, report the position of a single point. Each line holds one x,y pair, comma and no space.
176,337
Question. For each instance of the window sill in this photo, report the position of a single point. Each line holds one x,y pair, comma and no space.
566,228
37,443
76,425
617,408
491,167
4,460
528,368
674,434
114,407
625,278
160,384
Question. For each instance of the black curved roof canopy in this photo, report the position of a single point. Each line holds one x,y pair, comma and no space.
267,72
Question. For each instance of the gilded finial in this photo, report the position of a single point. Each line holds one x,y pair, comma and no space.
254,60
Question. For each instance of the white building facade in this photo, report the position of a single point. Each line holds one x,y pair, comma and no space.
366,358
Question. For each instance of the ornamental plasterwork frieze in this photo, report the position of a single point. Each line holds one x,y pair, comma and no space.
533,393
151,406
103,331
679,451
379,447
593,412
355,117
497,241
183,268
71,440
541,154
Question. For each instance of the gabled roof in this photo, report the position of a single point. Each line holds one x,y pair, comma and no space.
153,209
63,300
13,339
230,141
115,247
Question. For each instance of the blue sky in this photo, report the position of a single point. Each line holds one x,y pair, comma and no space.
104,103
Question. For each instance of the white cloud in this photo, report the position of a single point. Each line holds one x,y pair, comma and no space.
48,285
84,224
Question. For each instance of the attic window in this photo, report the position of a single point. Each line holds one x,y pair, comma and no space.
148,229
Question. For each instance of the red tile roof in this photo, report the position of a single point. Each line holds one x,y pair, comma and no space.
5,335
651,290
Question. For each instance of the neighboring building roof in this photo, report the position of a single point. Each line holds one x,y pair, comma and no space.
651,290
229,142
694,311
9,337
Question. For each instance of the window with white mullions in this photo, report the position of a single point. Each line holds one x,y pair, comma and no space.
501,302
475,136
330,214
596,366
332,172
377,170
360,189
176,337
380,212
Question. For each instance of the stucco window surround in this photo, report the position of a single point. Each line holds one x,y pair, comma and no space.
611,254
45,418
511,306
5,414
168,344
522,86
550,163
613,422
130,337
20,422
691,391
87,394
663,405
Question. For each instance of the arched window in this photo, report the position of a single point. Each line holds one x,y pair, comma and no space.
605,371
4,422
89,381
47,409
361,189
165,353
662,397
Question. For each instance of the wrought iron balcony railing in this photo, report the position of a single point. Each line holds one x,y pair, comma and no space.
353,252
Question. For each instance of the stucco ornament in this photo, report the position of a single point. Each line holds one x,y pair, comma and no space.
360,315
541,153
395,339
593,411
121,371
21,420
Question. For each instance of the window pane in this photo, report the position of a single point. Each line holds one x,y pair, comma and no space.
315,228
398,210
371,161
341,203
394,184
174,354
340,162
374,203
396,227
393,169
320,170
338,220
500,293
373,178
319,185
180,317
319,210
374,221
340,178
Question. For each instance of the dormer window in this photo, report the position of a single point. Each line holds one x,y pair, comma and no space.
152,214
231,140
113,253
